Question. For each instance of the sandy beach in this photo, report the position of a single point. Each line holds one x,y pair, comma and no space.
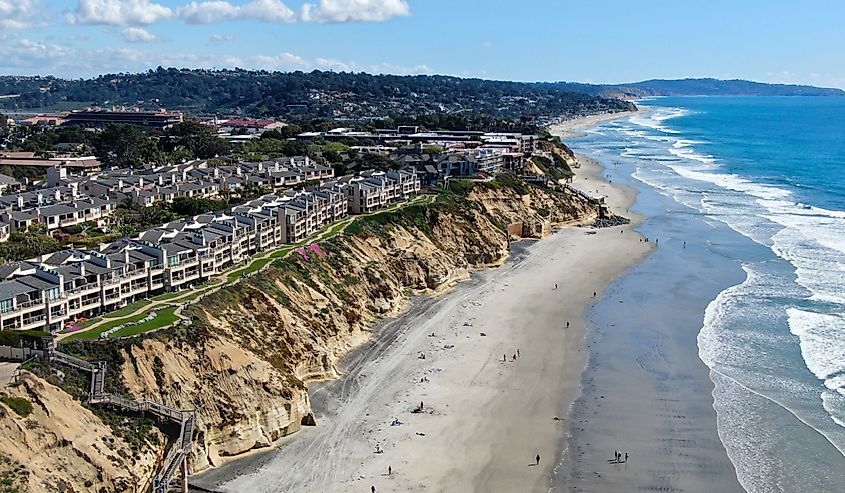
570,129
484,415
645,391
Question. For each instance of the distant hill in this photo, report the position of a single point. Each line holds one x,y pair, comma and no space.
299,96
699,87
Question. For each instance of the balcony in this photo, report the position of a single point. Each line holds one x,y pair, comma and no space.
81,289
23,306
135,273
31,322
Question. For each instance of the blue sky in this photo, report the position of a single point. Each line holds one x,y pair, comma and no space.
534,40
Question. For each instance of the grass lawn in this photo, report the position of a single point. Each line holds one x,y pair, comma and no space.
95,333
169,296
281,253
251,268
89,322
162,319
128,309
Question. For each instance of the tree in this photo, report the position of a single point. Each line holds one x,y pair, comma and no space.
198,139
378,162
123,146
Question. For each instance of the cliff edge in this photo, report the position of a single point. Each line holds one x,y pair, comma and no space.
244,360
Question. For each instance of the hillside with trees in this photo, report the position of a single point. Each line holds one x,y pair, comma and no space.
300,96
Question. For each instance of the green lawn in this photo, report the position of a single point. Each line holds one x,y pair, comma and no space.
95,333
128,309
163,318
255,266
168,296
281,253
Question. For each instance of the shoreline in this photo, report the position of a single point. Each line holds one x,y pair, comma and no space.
467,389
645,390
575,127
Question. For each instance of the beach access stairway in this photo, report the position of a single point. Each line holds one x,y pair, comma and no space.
186,419
599,202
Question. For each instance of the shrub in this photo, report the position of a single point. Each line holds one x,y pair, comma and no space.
19,405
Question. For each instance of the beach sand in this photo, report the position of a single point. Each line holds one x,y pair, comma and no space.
645,391
570,129
483,421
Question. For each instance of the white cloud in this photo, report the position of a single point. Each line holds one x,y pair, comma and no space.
354,10
20,14
220,38
390,68
212,11
30,57
487,44
282,61
146,12
119,12
332,64
138,35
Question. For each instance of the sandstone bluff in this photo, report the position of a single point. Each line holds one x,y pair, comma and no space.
244,360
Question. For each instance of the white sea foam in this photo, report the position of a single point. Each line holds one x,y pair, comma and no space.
811,239
822,339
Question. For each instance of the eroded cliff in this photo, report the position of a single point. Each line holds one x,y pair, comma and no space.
242,362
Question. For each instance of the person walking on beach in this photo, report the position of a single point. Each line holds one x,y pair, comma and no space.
626,456
389,470
504,358
517,352
555,286
373,489
567,324
537,459
594,294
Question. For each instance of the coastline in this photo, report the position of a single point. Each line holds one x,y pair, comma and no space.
467,390
575,127
645,390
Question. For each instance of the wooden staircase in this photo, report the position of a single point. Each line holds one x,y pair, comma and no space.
180,447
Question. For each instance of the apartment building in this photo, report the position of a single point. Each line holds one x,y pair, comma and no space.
54,291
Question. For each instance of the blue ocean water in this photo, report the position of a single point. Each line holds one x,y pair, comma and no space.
773,170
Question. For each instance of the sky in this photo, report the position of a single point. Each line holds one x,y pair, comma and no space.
598,41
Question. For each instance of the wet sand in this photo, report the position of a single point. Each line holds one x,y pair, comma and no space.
645,391
483,420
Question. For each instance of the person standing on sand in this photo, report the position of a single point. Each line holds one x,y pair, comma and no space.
626,456
373,489
389,470
538,459
567,324
517,352
504,358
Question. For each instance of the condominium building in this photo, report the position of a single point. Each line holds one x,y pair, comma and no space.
54,291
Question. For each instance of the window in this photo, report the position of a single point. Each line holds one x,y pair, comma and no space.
6,305
52,293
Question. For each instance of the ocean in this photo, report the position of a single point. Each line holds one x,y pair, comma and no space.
761,180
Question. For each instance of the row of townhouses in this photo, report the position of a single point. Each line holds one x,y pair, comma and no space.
54,291
73,200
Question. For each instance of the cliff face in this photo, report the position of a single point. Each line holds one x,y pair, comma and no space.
243,361
61,444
